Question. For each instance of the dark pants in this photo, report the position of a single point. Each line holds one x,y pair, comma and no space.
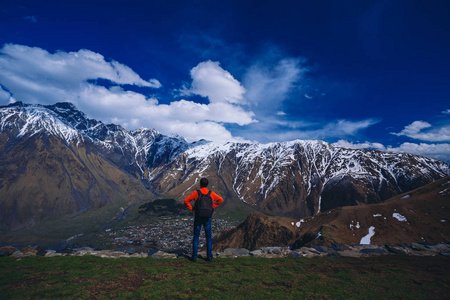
198,223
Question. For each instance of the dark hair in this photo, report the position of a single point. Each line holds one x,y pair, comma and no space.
203,182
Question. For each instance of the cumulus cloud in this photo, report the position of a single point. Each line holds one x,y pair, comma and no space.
424,131
33,75
26,65
218,85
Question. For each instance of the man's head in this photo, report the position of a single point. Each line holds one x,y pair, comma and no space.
203,182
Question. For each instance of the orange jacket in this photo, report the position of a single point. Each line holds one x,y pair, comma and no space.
217,200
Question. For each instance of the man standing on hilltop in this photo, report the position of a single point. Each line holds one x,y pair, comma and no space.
205,203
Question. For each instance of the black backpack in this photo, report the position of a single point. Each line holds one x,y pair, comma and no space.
203,205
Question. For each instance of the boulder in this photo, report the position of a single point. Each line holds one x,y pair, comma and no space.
161,254
139,255
84,252
256,253
350,253
234,252
440,248
399,249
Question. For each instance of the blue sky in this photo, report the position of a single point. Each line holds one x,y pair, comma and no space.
361,74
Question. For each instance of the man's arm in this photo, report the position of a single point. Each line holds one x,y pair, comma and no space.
217,200
192,197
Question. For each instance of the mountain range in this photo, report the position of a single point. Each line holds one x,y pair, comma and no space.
62,173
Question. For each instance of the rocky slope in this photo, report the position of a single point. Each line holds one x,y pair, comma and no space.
421,215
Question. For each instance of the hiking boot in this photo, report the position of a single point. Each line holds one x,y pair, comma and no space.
209,259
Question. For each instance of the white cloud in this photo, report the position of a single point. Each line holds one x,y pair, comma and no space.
292,130
365,145
202,130
33,75
269,83
218,85
342,128
414,128
27,64
437,151
339,128
186,118
424,131
5,97
446,112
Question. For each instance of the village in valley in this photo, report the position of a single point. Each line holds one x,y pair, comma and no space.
167,233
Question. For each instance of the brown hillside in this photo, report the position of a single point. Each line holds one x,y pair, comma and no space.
257,231
422,215
50,190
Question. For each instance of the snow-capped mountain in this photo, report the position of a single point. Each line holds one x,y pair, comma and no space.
128,149
55,177
297,178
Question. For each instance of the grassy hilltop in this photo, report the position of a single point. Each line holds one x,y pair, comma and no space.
393,277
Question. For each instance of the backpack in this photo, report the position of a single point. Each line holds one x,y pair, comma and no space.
203,205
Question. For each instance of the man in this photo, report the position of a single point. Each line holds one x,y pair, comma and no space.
202,221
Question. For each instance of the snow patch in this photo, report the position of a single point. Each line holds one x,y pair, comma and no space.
443,221
319,234
404,197
299,223
357,225
366,239
399,217
378,215
444,192
320,204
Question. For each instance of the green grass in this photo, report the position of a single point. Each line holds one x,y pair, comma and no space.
394,277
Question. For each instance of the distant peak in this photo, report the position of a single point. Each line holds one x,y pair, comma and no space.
57,106
16,104
63,105
143,129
